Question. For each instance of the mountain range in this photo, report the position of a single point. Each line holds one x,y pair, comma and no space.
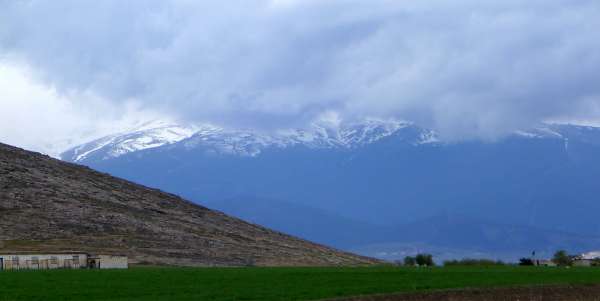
382,188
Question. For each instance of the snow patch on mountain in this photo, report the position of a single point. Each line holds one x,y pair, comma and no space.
540,132
250,143
219,140
428,137
370,131
149,135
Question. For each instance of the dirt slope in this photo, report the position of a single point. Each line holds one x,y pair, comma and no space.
49,205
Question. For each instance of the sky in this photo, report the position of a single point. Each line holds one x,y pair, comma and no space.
73,70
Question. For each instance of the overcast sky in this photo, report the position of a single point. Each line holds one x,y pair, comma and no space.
70,70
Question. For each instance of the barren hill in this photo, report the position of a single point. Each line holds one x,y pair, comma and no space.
49,205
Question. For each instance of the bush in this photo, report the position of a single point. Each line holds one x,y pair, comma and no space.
473,262
525,262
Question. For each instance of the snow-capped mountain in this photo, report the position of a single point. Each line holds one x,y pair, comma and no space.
242,142
149,135
219,140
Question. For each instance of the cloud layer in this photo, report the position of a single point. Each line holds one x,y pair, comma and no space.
467,68
38,118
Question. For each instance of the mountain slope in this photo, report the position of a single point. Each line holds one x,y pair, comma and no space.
48,205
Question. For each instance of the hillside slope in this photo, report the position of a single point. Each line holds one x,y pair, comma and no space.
48,205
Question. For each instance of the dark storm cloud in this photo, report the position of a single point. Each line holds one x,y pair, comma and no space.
467,68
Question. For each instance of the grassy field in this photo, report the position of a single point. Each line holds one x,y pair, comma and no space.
268,283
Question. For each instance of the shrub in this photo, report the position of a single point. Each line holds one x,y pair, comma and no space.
424,260
525,261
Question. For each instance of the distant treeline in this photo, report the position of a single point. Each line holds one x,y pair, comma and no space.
561,258
425,260
473,262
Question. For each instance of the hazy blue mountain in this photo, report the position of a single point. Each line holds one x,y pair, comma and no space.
447,236
450,236
302,221
385,174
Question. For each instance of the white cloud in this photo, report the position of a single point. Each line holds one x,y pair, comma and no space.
467,68
36,117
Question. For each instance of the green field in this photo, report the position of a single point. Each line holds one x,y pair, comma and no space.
268,283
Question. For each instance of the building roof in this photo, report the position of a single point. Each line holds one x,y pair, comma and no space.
590,255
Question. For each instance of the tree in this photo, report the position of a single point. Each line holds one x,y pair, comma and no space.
561,258
409,261
424,260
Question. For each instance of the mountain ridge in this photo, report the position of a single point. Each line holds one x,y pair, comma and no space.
240,141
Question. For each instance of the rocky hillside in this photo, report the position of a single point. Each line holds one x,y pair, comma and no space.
48,205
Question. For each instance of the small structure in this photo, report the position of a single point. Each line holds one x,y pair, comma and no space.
544,263
73,260
586,259
582,262
591,255
108,262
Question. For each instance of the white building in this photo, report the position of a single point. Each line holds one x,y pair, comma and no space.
74,260
590,255
108,262
586,259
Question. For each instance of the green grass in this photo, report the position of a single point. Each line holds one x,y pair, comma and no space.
268,283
